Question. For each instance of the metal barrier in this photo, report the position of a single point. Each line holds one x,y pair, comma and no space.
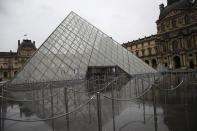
82,93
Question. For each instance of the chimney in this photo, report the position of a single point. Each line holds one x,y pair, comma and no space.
19,43
161,7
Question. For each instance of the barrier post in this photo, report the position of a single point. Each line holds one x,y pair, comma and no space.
99,111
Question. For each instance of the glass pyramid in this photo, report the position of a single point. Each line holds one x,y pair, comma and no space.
73,46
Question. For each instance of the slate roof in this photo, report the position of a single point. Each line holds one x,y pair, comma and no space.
176,4
27,43
7,54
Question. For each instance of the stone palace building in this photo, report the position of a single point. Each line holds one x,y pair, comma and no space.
175,44
11,62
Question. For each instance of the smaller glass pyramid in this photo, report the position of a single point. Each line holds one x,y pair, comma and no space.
71,48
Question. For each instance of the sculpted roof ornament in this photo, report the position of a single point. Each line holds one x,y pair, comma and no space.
27,43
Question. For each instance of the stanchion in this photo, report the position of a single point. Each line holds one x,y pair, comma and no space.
144,110
52,111
154,108
1,108
99,111
66,103
113,109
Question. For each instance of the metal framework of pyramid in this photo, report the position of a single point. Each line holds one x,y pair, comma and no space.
73,46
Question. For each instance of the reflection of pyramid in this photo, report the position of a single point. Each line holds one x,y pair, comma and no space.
71,48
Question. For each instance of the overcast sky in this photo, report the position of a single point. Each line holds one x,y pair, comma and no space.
123,20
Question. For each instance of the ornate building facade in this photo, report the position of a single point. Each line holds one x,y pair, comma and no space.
175,44
11,62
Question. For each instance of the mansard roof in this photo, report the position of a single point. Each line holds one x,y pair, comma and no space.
175,4
7,54
27,43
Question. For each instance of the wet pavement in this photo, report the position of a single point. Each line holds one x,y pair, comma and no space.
167,104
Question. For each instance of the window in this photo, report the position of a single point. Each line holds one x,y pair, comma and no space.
187,19
5,74
149,43
156,50
5,64
149,51
180,42
154,63
143,52
164,48
174,23
137,53
15,72
129,48
147,62
189,44
162,27
174,45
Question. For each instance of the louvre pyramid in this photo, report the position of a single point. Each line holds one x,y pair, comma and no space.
73,46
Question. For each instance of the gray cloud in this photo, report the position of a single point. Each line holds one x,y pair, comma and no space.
124,20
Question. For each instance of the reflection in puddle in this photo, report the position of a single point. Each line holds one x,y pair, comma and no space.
162,107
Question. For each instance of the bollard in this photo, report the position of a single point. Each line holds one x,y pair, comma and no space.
99,111
113,111
135,87
43,102
52,111
138,87
144,110
1,108
66,103
154,108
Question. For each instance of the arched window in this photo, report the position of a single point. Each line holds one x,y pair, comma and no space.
147,62
174,45
154,63
177,62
